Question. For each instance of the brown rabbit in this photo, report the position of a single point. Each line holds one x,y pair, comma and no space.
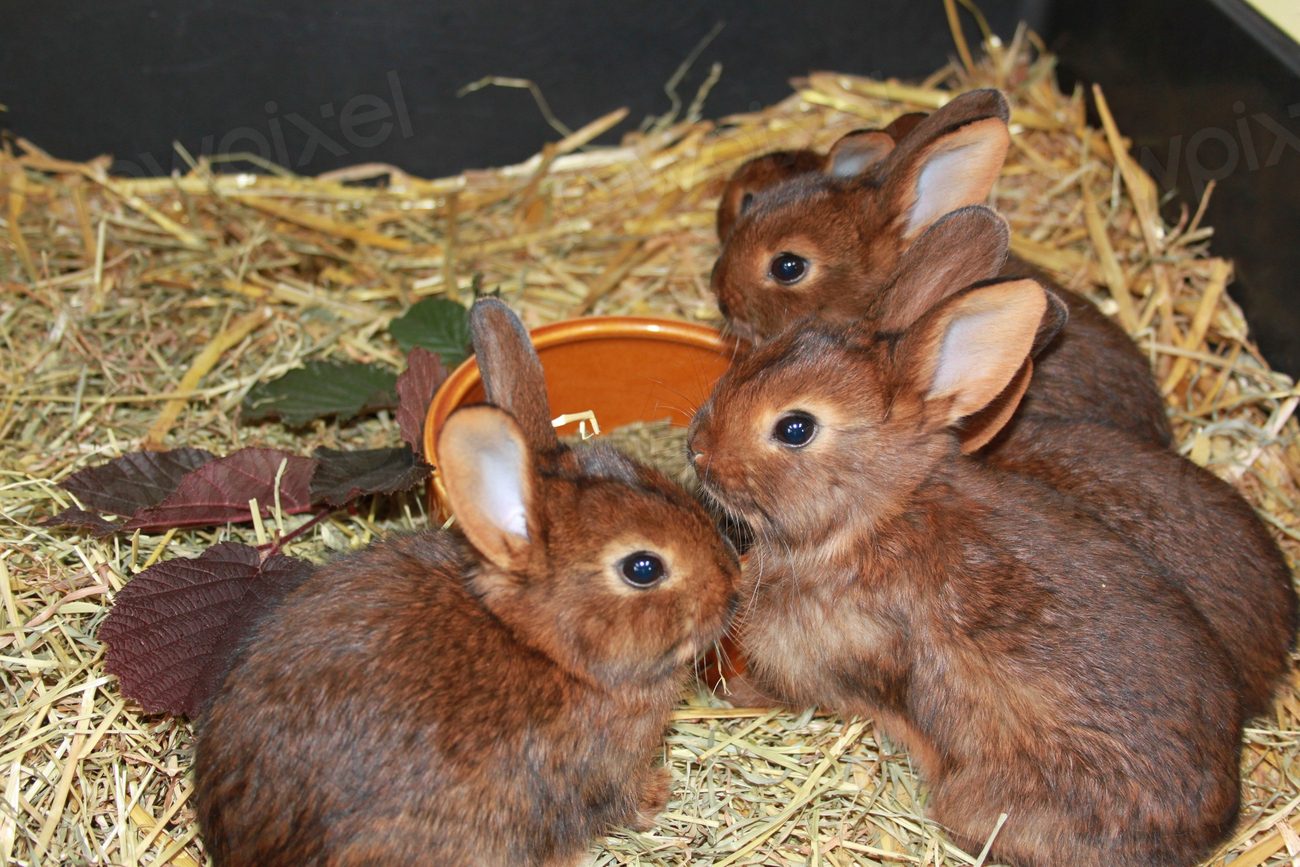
1185,519
1033,662
495,699
1178,515
830,241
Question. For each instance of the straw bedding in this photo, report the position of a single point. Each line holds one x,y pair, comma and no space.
138,312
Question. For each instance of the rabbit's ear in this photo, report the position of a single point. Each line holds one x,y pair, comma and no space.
966,352
857,152
949,160
1056,317
960,249
487,469
901,126
918,129
976,431
511,371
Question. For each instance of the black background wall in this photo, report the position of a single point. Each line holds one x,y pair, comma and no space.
1208,91
330,83
248,74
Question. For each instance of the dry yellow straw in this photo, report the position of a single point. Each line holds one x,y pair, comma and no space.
206,360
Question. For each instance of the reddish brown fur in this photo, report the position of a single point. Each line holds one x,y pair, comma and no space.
422,703
1190,522
1092,373
854,233
1031,660
757,175
825,220
1092,377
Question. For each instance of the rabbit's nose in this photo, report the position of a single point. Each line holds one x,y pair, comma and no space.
699,460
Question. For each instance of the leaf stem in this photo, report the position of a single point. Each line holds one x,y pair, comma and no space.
276,546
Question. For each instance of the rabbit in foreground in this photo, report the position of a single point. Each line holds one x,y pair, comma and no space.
1031,660
1180,516
828,241
496,699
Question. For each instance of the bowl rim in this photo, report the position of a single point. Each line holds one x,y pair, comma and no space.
582,329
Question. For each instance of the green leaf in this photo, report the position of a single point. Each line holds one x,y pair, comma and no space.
320,389
437,324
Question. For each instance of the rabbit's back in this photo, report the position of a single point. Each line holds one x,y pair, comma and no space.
1088,662
1092,372
1186,520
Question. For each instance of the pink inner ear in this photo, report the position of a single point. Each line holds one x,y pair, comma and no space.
967,344
959,170
501,486
486,469
856,152
983,426
986,337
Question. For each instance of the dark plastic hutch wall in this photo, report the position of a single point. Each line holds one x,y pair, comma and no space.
1205,87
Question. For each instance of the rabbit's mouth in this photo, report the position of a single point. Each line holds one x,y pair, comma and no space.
703,635
717,496
742,330
736,504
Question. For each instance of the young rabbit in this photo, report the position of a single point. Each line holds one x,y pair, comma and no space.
1176,514
1033,662
829,241
495,699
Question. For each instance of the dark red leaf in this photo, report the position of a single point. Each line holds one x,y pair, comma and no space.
415,389
342,476
135,481
174,629
218,492
82,520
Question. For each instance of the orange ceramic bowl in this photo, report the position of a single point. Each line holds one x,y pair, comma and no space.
622,368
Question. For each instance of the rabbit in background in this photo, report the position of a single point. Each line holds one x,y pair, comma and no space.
829,240
1031,660
496,698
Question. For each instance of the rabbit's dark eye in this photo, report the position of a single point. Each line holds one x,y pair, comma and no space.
788,268
795,429
643,569
745,201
